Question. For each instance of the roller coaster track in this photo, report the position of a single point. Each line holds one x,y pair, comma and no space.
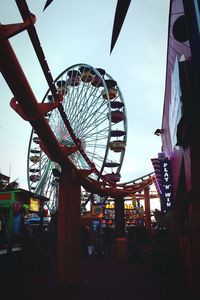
27,106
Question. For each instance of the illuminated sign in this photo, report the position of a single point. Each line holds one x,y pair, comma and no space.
166,185
129,206
34,204
162,167
110,206
126,206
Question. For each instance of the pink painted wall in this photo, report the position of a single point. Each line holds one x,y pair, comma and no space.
172,104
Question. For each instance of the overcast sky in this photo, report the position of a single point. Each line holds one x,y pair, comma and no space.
74,32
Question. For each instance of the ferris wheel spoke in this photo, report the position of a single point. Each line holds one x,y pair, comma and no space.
83,111
102,133
84,95
52,194
74,98
94,115
71,105
82,164
40,187
44,160
69,100
50,186
79,161
95,155
96,140
97,146
95,103
94,126
59,128
91,101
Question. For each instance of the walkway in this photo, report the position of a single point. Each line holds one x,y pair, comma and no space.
100,279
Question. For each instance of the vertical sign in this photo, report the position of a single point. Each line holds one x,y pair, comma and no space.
166,184
163,173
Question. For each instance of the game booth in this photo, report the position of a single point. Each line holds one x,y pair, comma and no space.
15,207
93,218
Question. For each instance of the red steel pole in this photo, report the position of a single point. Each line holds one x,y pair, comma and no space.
68,255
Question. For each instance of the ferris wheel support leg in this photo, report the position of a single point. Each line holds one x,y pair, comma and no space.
68,254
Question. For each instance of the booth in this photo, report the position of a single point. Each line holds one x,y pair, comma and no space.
93,218
14,206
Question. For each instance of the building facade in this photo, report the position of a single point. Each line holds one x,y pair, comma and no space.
180,132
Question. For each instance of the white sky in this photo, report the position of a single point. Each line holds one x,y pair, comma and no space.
74,32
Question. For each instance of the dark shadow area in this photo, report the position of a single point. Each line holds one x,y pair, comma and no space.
149,273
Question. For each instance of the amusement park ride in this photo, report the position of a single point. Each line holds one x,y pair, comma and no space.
99,124
79,132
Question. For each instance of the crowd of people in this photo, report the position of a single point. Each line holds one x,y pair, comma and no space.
158,248
102,242
97,243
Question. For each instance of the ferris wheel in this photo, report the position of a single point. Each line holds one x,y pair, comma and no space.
95,109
